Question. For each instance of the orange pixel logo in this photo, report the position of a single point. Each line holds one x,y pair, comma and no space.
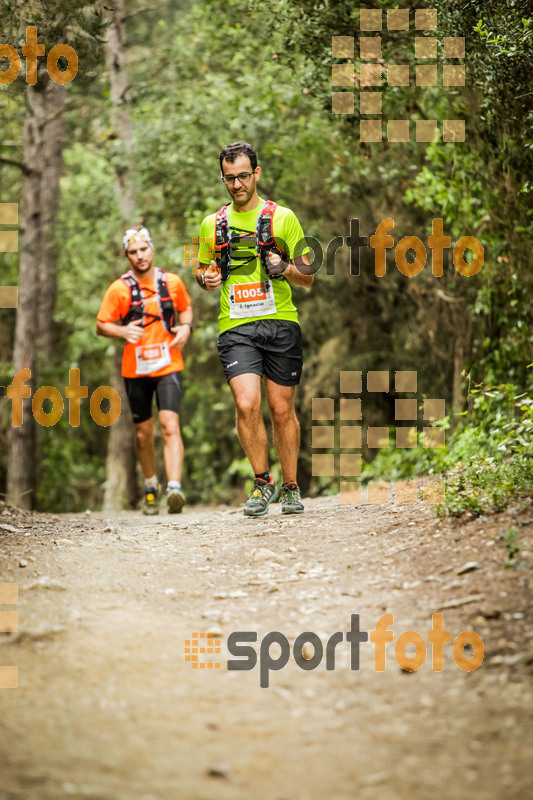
372,72
9,243
9,595
351,436
202,643
191,251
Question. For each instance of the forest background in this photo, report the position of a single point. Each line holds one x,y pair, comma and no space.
85,159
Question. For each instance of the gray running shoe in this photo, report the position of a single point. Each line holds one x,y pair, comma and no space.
150,506
290,499
175,501
260,498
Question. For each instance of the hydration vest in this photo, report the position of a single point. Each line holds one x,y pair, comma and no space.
264,238
136,310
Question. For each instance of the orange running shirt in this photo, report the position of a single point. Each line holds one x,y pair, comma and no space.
116,304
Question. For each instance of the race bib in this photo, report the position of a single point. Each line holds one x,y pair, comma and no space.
251,299
151,358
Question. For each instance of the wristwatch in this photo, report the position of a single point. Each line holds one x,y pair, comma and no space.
202,278
190,325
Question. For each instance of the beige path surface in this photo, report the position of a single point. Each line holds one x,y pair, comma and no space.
108,709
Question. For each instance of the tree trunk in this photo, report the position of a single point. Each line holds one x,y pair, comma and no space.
121,484
21,465
52,152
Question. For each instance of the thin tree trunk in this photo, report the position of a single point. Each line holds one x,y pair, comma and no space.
21,465
52,163
121,485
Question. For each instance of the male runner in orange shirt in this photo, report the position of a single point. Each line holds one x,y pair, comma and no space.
140,307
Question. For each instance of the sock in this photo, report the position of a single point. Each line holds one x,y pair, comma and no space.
173,485
150,483
290,485
262,476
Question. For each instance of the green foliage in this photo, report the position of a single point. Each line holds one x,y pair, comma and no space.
483,485
513,545
205,74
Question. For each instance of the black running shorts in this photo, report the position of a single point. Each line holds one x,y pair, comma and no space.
140,393
271,347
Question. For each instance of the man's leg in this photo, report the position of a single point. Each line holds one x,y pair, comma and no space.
173,444
285,426
246,391
168,395
144,442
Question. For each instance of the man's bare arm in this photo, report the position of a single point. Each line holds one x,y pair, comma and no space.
131,333
298,271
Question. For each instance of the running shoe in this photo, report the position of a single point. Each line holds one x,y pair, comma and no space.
290,499
175,501
260,498
150,506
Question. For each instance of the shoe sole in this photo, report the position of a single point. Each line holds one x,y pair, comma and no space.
293,511
150,513
262,513
175,503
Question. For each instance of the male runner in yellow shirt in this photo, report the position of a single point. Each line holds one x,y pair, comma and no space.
260,338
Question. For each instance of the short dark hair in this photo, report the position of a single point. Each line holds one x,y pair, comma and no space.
233,151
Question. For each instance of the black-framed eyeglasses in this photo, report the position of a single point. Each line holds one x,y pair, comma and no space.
244,177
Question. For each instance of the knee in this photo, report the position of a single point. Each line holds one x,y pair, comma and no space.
144,435
169,429
282,411
247,407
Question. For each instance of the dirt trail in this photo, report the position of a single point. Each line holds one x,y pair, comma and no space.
108,709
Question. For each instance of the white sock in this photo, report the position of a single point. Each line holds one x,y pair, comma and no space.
150,483
173,485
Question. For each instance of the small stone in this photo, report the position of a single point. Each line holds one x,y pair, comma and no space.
218,771
23,562
470,566
169,592
63,541
238,593
262,553
46,583
308,651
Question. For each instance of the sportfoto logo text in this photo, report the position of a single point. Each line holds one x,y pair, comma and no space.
381,241
33,50
308,650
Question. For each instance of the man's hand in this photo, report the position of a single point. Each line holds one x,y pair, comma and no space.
275,265
213,278
182,334
133,331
